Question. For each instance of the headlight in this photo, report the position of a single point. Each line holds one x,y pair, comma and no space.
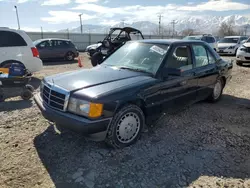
85,108
243,49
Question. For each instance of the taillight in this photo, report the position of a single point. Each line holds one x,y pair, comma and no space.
35,52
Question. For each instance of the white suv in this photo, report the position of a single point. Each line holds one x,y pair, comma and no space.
17,47
208,38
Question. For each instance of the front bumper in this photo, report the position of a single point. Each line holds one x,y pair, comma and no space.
243,56
71,121
226,51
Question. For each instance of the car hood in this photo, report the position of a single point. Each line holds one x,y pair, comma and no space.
247,44
86,78
226,45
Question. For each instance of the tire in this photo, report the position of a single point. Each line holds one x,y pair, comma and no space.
27,94
70,56
238,63
127,122
217,91
30,87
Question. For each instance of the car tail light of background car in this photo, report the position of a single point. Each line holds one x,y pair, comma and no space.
35,52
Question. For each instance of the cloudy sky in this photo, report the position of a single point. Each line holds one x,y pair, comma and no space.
54,15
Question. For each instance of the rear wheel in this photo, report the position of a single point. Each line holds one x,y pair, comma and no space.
27,93
217,91
70,56
126,126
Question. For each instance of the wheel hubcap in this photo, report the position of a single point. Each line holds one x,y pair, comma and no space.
217,90
70,56
128,127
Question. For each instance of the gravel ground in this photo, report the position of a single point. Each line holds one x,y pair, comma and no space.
204,145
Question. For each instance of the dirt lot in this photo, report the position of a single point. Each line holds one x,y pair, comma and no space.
205,145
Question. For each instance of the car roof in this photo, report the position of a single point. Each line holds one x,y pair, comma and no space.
170,41
53,39
233,36
126,29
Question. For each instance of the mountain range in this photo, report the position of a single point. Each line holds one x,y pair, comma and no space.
202,24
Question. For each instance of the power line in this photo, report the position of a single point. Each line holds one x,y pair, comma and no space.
173,23
160,16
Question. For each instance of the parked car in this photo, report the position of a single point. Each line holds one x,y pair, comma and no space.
243,53
17,47
208,38
56,48
114,100
230,44
116,38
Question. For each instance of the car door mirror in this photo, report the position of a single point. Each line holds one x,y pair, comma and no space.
171,72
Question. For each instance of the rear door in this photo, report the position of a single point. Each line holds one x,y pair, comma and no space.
205,70
10,46
45,49
60,48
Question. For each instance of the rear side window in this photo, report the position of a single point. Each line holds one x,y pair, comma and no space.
203,57
61,43
11,39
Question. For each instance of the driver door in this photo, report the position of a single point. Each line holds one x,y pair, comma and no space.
179,90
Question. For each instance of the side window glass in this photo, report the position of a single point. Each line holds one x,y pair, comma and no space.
211,58
11,39
180,59
200,55
43,44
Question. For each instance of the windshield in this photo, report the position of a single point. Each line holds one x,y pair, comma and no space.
192,38
137,56
229,40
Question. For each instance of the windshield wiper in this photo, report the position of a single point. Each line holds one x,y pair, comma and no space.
135,69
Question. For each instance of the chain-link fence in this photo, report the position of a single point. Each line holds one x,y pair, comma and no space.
83,40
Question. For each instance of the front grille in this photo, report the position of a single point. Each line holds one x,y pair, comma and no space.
53,98
222,48
247,58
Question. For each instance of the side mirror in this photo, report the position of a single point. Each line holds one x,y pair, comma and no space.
96,59
171,72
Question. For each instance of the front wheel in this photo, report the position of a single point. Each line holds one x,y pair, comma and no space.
217,91
126,127
238,63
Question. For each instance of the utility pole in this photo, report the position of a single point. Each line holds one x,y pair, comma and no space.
160,16
17,17
80,15
42,32
173,23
